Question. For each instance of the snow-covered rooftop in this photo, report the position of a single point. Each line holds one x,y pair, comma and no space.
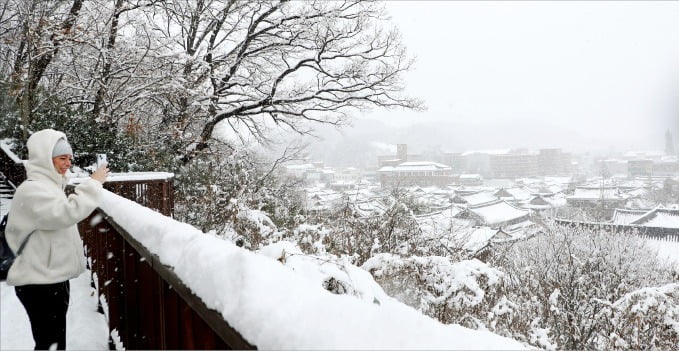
498,212
597,194
519,194
479,198
622,216
659,217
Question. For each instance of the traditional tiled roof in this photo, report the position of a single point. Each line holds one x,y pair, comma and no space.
479,198
519,193
503,193
659,217
498,213
369,208
539,201
593,193
454,231
621,216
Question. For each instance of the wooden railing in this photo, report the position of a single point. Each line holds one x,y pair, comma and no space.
148,306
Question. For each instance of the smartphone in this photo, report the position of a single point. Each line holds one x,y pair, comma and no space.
101,159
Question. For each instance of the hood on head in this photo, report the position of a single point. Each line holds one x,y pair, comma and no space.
40,146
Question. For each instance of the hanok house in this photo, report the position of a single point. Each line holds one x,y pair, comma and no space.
423,173
470,179
497,214
540,205
455,233
591,197
658,220
625,216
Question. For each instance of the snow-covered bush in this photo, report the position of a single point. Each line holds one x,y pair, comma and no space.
235,189
312,238
393,231
563,281
334,274
452,292
566,288
647,318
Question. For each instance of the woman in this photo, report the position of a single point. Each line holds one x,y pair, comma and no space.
54,253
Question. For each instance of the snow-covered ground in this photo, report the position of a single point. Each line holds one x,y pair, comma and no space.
85,328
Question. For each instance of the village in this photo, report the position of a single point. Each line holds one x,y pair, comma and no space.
492,196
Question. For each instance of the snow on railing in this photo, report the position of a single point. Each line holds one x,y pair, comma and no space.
273,306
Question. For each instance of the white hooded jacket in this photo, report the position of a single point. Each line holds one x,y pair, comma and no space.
54,253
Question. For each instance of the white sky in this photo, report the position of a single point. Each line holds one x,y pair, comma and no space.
601,74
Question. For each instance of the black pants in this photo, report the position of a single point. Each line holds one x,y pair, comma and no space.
46,306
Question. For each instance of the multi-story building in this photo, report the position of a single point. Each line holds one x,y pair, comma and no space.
612,166
514,164
606,197
423,173
401,156
642,167
553,162
478,161
667,166
455,160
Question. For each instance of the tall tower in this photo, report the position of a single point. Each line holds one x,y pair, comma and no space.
402,152
669,146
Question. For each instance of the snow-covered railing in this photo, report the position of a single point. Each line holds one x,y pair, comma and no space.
147,306
11,165
248,299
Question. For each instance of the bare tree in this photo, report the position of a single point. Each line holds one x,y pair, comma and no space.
183,67
280,63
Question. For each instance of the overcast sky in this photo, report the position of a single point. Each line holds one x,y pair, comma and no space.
543,74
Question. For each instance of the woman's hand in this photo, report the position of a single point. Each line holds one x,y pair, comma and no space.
101,173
